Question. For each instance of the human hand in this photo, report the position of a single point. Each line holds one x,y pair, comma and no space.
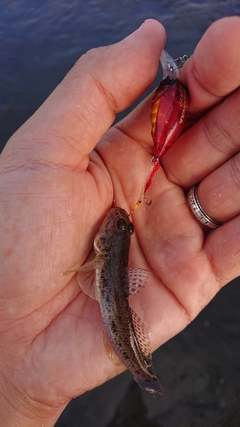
54,198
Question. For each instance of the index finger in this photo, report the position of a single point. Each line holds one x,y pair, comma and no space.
212,75
213,71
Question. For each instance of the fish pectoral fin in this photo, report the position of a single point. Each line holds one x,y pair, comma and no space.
88,266
86,282
143,339
86,276
112,354
137,279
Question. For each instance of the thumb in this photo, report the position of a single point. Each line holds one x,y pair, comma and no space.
103,82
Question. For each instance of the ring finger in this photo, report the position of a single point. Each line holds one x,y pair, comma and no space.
219,194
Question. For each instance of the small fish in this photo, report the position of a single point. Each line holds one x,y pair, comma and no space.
125,336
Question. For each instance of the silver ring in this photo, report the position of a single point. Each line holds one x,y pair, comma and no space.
198,211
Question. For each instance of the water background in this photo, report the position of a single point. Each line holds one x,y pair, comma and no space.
40,40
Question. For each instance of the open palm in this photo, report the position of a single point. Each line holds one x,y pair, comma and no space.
56,187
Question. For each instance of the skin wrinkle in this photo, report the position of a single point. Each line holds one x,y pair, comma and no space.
234,171
77,320
168,284
60,163
27,401
72,142
218,131
123,132
142,109
219,277
110,170
118,134
37,166
41,316
96,161
106,94
211,134
90,112
93,84
189,317
152,269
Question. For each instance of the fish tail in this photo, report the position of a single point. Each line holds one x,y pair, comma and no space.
151,384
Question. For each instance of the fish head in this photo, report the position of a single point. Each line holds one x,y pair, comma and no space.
116,225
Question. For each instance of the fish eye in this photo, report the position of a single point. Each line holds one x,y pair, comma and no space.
131,228
121,224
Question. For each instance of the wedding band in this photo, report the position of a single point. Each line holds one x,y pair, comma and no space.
198,211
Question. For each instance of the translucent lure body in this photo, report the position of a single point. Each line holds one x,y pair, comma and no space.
168,113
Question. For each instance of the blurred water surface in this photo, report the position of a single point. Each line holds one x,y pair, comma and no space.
40,41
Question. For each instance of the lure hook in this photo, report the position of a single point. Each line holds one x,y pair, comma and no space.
145,200
142,198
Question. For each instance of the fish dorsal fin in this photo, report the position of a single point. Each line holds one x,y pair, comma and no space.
143,339
112,354
137,279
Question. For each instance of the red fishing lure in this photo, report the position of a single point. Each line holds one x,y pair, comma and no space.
168,114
